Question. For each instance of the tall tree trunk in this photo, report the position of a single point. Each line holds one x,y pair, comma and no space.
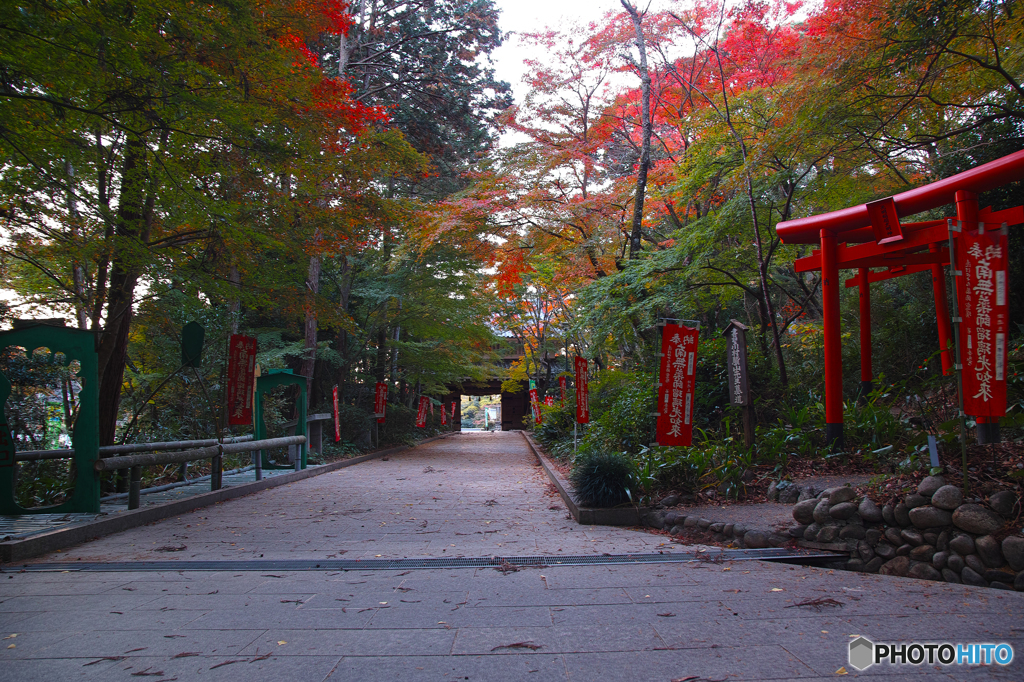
313,289
131,231
636,233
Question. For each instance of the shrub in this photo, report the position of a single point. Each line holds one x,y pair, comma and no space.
602,479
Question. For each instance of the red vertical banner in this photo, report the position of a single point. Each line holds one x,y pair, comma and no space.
549,400
535,406
380,401
677,381
421,413
453,409
561,385
982,292
241,378
444,415
582,390
337,416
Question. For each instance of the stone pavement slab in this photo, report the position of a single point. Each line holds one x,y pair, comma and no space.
741,620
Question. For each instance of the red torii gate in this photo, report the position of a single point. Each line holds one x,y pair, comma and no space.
870,236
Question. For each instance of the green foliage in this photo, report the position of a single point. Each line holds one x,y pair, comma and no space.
602,479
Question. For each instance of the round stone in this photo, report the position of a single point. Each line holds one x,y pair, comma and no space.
922,553
873,565
677,530
885,550
950,576
655,519
776,540
955,562
842,511
821,514
869,511
703,524
924,572
971,577
893,536
1018,582
899,566
975,563
947,497
911,537
738,530
939,560
670,501
913,500
690,522
1013,550
854,565
962,544
995,585
840,495
789,494
942,541
903,550
797,531
828,534
930,517
811,534
976,519
930,537
755,539
673,517
996,576
888,515
865,552
805,495
716,527
852,533
1003,502
989,551
803,512
902,514
873,535
929,485
728,530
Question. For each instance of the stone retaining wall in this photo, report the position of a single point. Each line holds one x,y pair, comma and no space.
933,534
677,522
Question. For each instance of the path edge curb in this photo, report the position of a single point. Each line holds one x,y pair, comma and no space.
585,516
61,538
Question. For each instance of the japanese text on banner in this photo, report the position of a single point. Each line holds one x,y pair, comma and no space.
676,385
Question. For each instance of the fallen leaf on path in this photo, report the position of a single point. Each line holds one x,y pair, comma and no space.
686,679
105,658
520,645
238,660
667,614
146,673
842,671
186,654
816,604
777,589
171,548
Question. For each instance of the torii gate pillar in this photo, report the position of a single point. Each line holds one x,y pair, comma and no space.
833,342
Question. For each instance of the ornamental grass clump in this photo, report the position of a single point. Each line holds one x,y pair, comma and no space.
602,479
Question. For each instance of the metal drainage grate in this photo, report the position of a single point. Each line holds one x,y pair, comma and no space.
771,554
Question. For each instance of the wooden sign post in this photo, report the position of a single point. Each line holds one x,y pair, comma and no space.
739,390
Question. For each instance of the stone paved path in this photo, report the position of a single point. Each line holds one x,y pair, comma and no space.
474,495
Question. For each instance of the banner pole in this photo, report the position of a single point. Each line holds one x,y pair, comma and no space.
956,350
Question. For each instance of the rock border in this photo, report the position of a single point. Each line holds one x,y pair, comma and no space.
932,534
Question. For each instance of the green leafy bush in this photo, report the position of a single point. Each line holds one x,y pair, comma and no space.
602,479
